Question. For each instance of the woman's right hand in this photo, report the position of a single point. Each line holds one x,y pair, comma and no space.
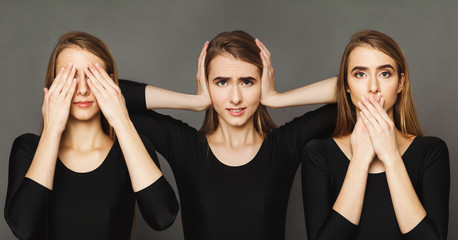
57,100
201,79
361,145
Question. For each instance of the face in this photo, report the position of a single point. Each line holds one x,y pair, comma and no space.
84,105
369,72
235,89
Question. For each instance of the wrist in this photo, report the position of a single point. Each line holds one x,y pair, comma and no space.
120,123
391,161
52,132
203,103
361,163
268,100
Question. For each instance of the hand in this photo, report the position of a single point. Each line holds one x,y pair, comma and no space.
57,100
361,146
108,95
201,79
267,78
381,129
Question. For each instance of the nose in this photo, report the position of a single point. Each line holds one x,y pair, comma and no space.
82,88
236,95
374,85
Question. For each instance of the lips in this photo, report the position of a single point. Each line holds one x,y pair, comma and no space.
83,104
236,111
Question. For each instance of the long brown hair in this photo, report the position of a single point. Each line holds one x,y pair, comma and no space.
240,45
95,46
405,117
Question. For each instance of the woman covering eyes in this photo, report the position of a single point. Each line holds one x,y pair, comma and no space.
78,179
378,177
234,175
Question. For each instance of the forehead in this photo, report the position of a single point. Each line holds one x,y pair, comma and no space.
226,65
368,56
78,57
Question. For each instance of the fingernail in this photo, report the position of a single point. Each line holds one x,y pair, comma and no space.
69,64
96,64
371,98
363,98
62,69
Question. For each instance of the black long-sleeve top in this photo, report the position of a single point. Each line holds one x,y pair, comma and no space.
99,204
223,202
323,172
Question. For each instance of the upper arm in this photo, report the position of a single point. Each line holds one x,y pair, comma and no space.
319,123
168,135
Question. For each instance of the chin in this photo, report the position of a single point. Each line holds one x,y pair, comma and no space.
84,116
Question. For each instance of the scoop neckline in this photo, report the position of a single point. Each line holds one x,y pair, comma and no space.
377,173
95,169
238,166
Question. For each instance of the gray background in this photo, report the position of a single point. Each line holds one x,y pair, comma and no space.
158,42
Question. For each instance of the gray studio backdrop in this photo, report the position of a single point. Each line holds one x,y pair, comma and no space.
158,42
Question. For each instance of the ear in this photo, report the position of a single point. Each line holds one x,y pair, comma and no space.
111,76
401,82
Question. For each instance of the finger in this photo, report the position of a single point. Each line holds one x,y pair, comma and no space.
263,47
56,79
264,51
56,86
68,83
45,93
380,109
367,124
98,76
67,87
368,115
94,90
96,85
105,76
201,61
369,104
71,90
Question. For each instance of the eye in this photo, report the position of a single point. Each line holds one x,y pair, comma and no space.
221,83
360,74
247,83
385,74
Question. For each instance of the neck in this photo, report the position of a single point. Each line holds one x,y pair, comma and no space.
84,135
236,136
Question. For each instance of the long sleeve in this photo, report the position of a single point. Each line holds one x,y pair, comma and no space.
134,94
26,201
157,202
319,123
321,220
169,136
434,194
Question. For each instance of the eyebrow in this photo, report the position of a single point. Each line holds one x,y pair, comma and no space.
249,78
378,68
221,79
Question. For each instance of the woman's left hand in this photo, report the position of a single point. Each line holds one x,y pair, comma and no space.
267,78
381,129
108,95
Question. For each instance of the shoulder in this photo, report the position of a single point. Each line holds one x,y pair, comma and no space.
318,149
432,149
429,143
29,140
